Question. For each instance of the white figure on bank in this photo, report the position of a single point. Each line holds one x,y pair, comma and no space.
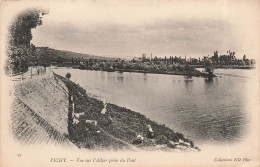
104,110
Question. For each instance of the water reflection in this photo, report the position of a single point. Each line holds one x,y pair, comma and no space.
120,77
188,87
102,75
145,77
208,79
188,81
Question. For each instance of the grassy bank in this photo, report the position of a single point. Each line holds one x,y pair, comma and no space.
118,128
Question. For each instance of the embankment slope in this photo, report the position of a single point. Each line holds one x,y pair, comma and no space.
40,111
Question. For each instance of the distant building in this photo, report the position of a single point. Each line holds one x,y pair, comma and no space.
143,57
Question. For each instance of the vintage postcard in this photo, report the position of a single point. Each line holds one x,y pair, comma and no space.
130,83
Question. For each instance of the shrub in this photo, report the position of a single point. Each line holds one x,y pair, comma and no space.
68,75
180,68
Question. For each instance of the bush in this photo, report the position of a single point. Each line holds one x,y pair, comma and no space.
68,75
174,67
180,68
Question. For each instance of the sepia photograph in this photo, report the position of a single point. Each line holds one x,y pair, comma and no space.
130,83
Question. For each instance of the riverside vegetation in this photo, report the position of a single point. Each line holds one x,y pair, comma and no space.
170,66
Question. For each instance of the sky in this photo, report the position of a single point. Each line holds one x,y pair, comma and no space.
163,28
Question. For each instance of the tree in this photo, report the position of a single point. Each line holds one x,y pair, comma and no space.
20,51
175,59
244,58
155,59
68,76
209,67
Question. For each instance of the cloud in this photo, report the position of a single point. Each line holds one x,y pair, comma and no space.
166,37
136,27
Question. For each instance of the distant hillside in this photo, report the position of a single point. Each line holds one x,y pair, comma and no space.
52,55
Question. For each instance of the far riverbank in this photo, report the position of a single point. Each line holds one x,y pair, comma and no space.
183,71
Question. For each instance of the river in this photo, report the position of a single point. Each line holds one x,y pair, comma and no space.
205,111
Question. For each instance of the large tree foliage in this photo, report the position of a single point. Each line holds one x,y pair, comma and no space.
20,51
209,67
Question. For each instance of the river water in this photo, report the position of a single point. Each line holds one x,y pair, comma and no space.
205,111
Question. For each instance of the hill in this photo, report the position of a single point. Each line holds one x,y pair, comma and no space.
52,55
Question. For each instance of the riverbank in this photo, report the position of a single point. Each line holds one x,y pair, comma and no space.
43,111
226,67
118,128
189,72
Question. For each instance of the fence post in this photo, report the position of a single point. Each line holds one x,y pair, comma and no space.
11,85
